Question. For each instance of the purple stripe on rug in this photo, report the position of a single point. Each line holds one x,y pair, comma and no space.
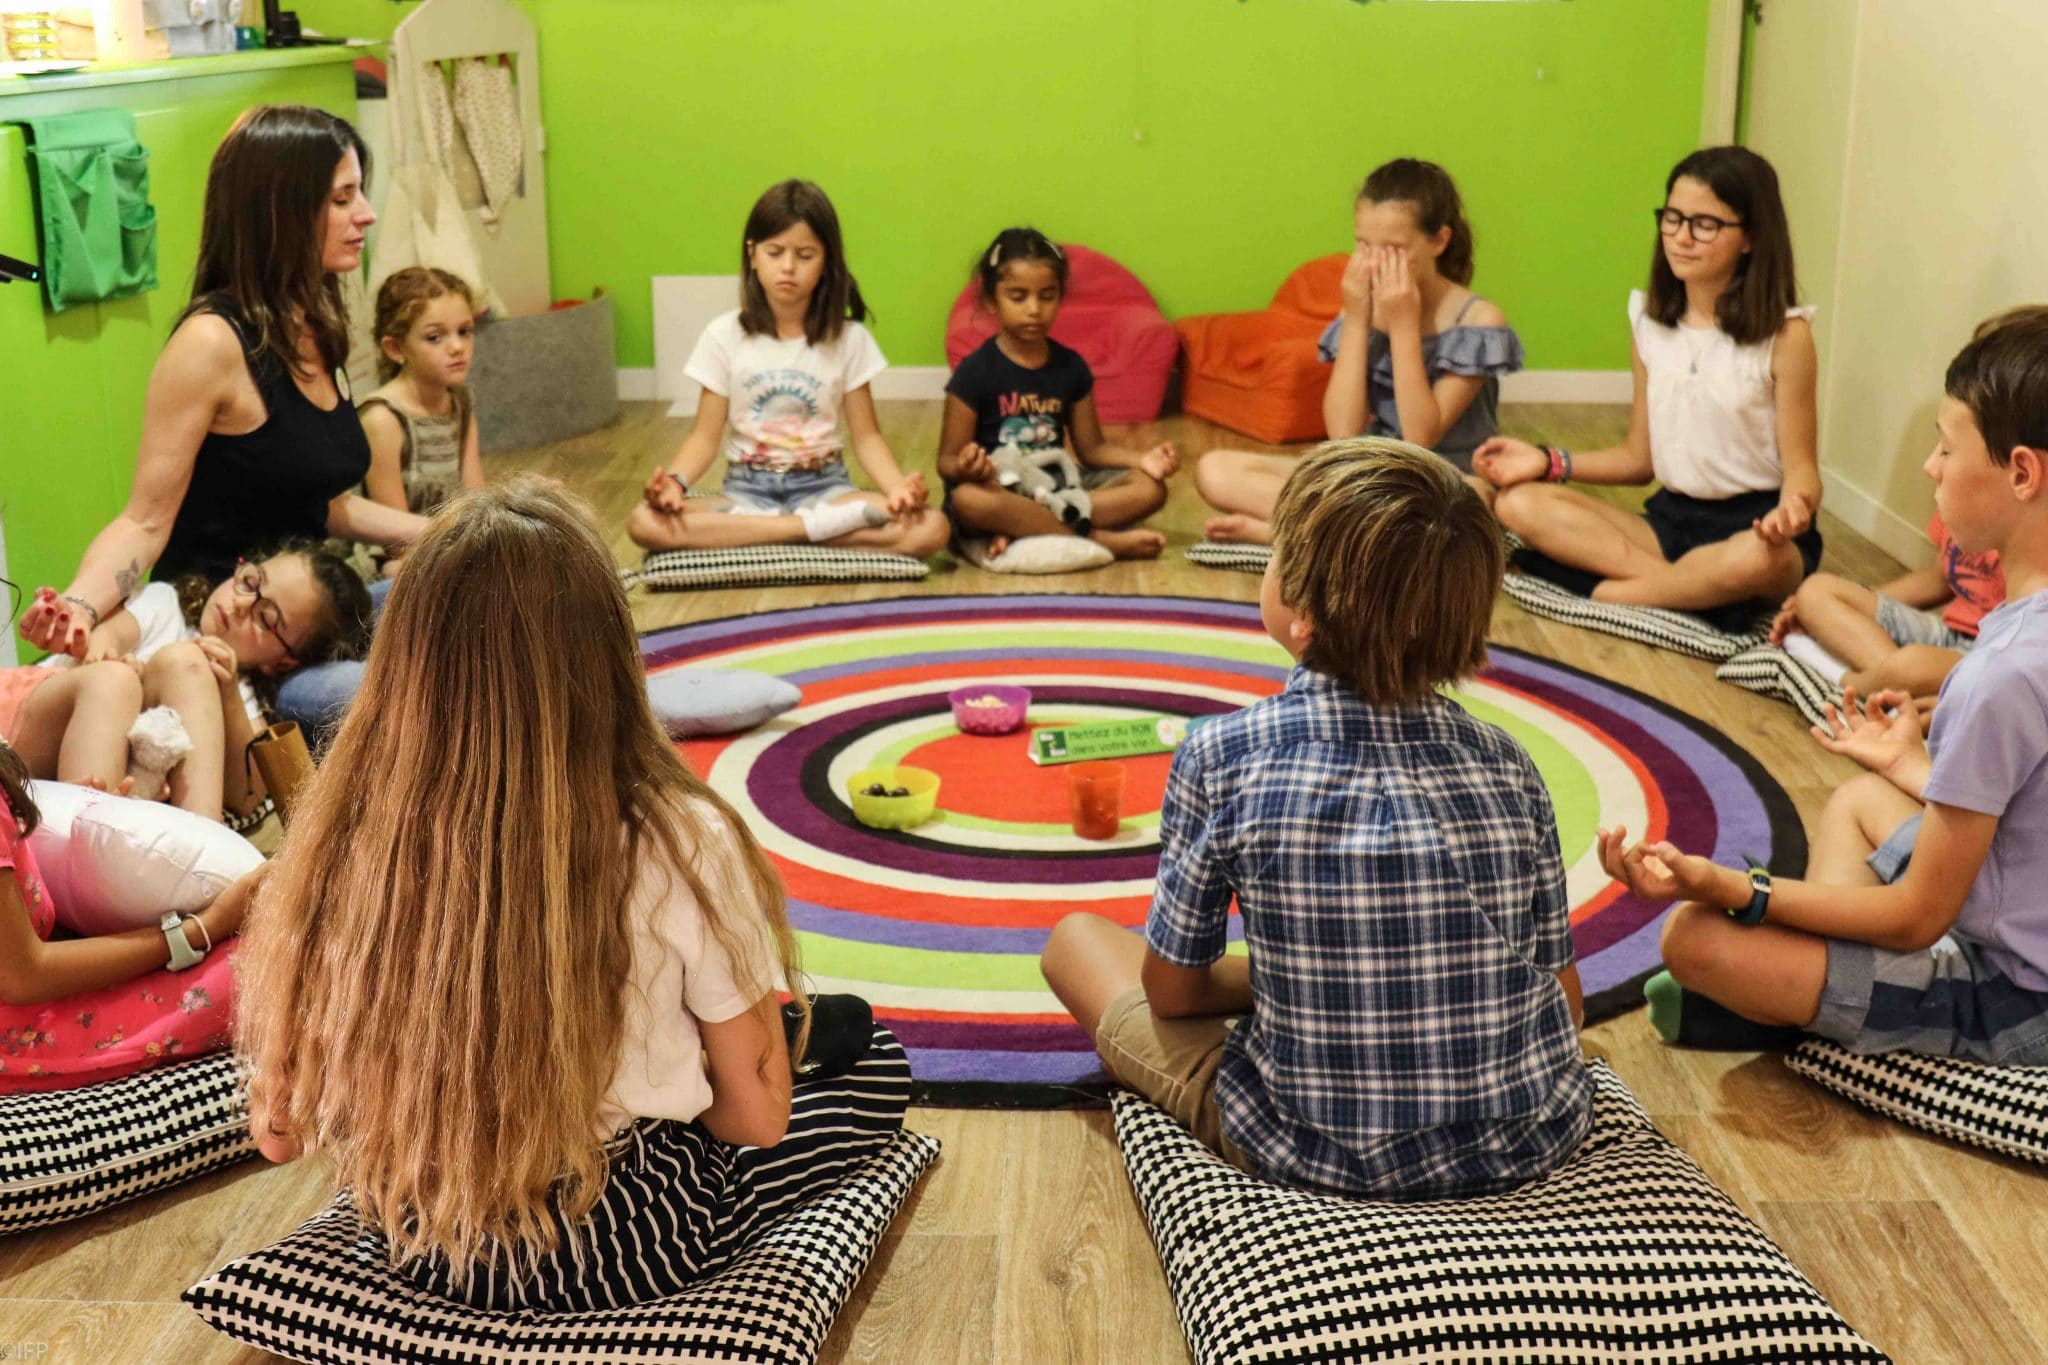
869,926
1207,663
943,1035
1016,1068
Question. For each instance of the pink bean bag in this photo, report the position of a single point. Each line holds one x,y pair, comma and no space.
1109,317
117,1030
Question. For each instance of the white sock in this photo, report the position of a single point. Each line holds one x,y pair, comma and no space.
1807,650
830,520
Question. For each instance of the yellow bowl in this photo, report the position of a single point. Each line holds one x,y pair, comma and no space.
894,812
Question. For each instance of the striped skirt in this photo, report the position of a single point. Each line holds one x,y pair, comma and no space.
680,1204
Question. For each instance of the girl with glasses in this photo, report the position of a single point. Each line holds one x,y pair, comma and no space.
208,651
1724,367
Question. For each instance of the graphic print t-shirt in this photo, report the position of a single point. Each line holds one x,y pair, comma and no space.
784,395
1031,409
1977,581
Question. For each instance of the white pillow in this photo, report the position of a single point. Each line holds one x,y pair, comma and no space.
113,864
1039,554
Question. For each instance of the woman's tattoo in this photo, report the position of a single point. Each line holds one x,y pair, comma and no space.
126,579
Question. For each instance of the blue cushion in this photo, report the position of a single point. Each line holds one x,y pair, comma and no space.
717,701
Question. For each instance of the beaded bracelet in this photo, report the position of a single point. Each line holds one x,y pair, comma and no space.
1560,465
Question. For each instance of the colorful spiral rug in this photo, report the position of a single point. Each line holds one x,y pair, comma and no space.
940,926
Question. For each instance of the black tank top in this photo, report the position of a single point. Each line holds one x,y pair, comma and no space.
270,484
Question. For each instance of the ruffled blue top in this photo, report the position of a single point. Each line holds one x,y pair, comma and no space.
1458,349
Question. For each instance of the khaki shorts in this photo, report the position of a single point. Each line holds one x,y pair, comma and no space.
1171,1062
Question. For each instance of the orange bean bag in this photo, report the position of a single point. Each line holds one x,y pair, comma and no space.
1259,373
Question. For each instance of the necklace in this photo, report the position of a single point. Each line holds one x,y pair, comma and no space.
1696,347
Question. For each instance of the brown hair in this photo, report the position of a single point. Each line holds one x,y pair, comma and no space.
1753,306
1394,564
400,301
2001,376
342,630
432,980
14,776
261,238
837,297
1428,189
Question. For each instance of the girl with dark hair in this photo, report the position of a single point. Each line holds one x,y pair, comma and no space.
208,651
776,374
1724,419
248,437
1021,448
1417,355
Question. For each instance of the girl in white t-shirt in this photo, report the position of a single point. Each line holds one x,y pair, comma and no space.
1723,419
776,376
201,649
582,1096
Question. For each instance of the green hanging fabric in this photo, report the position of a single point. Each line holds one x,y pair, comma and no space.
92,191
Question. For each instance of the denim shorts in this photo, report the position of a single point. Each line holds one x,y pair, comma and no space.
1951,1000
757,489
1912,626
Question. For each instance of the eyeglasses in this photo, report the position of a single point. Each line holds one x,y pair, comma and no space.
249,581
1705,227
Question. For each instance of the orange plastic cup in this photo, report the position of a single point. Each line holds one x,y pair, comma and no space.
1095,797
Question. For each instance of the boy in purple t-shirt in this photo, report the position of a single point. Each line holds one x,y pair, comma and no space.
1922,925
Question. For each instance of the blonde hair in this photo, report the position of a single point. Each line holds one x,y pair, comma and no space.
1393,562
431,975
400,301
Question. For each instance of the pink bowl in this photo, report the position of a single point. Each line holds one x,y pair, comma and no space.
990,720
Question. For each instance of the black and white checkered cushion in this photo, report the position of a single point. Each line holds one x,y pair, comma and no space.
1769,671
1628,1253
317,1296
1220,554
1678,631
2004,1108
67,1153
763,566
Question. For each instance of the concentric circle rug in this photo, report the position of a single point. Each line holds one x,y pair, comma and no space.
940,926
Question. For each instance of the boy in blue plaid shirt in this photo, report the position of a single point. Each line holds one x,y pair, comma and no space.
1405,1022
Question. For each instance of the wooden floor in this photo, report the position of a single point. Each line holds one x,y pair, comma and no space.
1024,1243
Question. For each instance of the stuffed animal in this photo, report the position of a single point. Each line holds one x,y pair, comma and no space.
157,743
1049,477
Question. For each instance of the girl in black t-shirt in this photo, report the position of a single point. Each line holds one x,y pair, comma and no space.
1022,452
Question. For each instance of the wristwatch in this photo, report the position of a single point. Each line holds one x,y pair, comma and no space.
1759,894
183,954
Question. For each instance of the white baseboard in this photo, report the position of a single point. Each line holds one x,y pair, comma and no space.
912,381
1568,386
636,385
1904,540
929,381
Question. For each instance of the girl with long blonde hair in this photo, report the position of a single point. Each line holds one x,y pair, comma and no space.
515,969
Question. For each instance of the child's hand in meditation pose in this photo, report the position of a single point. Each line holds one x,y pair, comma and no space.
1504,461
1161,461
974,465
1660,872
907,495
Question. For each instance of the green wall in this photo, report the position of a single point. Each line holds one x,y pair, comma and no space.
1210,145
72,384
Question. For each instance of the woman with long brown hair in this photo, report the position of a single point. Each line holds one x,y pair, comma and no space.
526,999
248,437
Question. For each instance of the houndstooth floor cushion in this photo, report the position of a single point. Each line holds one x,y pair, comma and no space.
760,566
1678,631
67,1153
2004,1108
317,1297
1221,554
1770,672
1628,1254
